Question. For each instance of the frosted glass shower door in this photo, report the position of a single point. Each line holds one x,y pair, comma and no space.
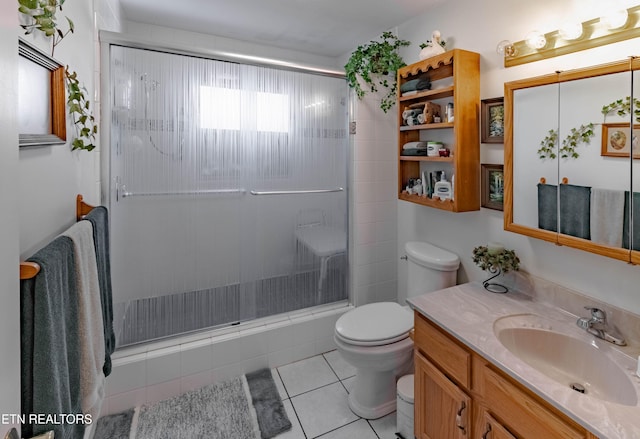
220,173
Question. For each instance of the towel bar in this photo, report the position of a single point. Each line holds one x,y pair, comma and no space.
158,194
543,180
310,191
29,270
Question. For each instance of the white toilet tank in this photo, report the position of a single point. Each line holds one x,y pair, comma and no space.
430,268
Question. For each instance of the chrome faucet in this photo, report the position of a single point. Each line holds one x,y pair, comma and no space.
597,326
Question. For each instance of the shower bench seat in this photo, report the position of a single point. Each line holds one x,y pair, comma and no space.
325,242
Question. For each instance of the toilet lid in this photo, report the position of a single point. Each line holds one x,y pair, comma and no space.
375,323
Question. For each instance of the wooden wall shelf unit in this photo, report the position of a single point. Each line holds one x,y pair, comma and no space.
461,395
455,78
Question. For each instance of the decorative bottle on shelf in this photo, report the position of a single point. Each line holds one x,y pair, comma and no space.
442,189
450,112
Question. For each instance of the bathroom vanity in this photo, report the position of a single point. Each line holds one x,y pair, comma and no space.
496,366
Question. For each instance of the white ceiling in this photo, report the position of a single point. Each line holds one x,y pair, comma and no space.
322,27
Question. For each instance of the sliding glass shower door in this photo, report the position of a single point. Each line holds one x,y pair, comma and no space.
229,197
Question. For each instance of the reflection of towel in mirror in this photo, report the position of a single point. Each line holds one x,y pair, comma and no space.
607,210
575,202
636,221
575,210
547,207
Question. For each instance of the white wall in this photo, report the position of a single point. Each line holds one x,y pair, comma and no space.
479,26
51,176
9,250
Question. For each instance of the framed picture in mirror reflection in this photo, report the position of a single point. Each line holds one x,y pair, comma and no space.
617,141
492,196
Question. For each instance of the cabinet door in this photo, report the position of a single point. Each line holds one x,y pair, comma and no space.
492,429
526,417
442,409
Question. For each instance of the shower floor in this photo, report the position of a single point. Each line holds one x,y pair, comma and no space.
153,318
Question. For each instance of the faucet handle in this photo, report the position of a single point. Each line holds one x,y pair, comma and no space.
596,313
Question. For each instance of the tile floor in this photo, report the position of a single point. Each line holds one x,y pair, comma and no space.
314,392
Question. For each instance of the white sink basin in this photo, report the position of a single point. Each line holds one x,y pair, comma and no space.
568,357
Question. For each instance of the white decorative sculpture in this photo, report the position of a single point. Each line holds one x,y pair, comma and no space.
433,47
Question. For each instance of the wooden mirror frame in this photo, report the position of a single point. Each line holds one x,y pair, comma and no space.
56,100
622,254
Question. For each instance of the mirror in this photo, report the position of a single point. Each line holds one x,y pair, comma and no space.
634,216
567,163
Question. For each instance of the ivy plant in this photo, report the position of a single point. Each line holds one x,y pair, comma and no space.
376,63
80,110
42,17
548,146
576,136
506,260
429,43
622,107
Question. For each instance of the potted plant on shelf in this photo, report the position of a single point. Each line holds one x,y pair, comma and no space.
495,259
375,65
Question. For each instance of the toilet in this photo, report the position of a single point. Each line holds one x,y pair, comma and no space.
374,338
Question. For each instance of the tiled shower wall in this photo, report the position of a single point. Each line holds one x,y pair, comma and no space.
373,203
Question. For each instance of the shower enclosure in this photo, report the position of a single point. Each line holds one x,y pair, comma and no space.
228,194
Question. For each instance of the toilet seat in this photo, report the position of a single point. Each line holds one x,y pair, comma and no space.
374,324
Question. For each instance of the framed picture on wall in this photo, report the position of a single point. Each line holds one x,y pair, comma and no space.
492,118
616,140
492,196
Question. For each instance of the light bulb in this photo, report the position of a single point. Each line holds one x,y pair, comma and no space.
535,40
505,48
570,30
615,19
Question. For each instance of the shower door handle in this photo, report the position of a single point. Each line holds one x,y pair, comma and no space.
124,194
308,191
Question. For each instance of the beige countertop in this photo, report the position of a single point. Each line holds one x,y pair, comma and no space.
468,312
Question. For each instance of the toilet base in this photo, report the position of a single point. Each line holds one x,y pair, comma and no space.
373,394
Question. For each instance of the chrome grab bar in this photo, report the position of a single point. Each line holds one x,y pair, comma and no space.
205,192
310,191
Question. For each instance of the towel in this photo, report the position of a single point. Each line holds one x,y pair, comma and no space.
99,218
50,360
415,145
636,221
575,210
415,84
90,326
548,207
607,216
414,151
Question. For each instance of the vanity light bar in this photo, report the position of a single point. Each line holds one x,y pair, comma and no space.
594,34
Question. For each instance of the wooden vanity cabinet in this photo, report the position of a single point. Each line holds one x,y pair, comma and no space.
491,429
460,395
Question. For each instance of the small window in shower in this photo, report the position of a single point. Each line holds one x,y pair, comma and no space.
234,109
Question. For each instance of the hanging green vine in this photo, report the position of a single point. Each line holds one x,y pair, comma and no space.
622,107
583,134
42,18
80,110
376,58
